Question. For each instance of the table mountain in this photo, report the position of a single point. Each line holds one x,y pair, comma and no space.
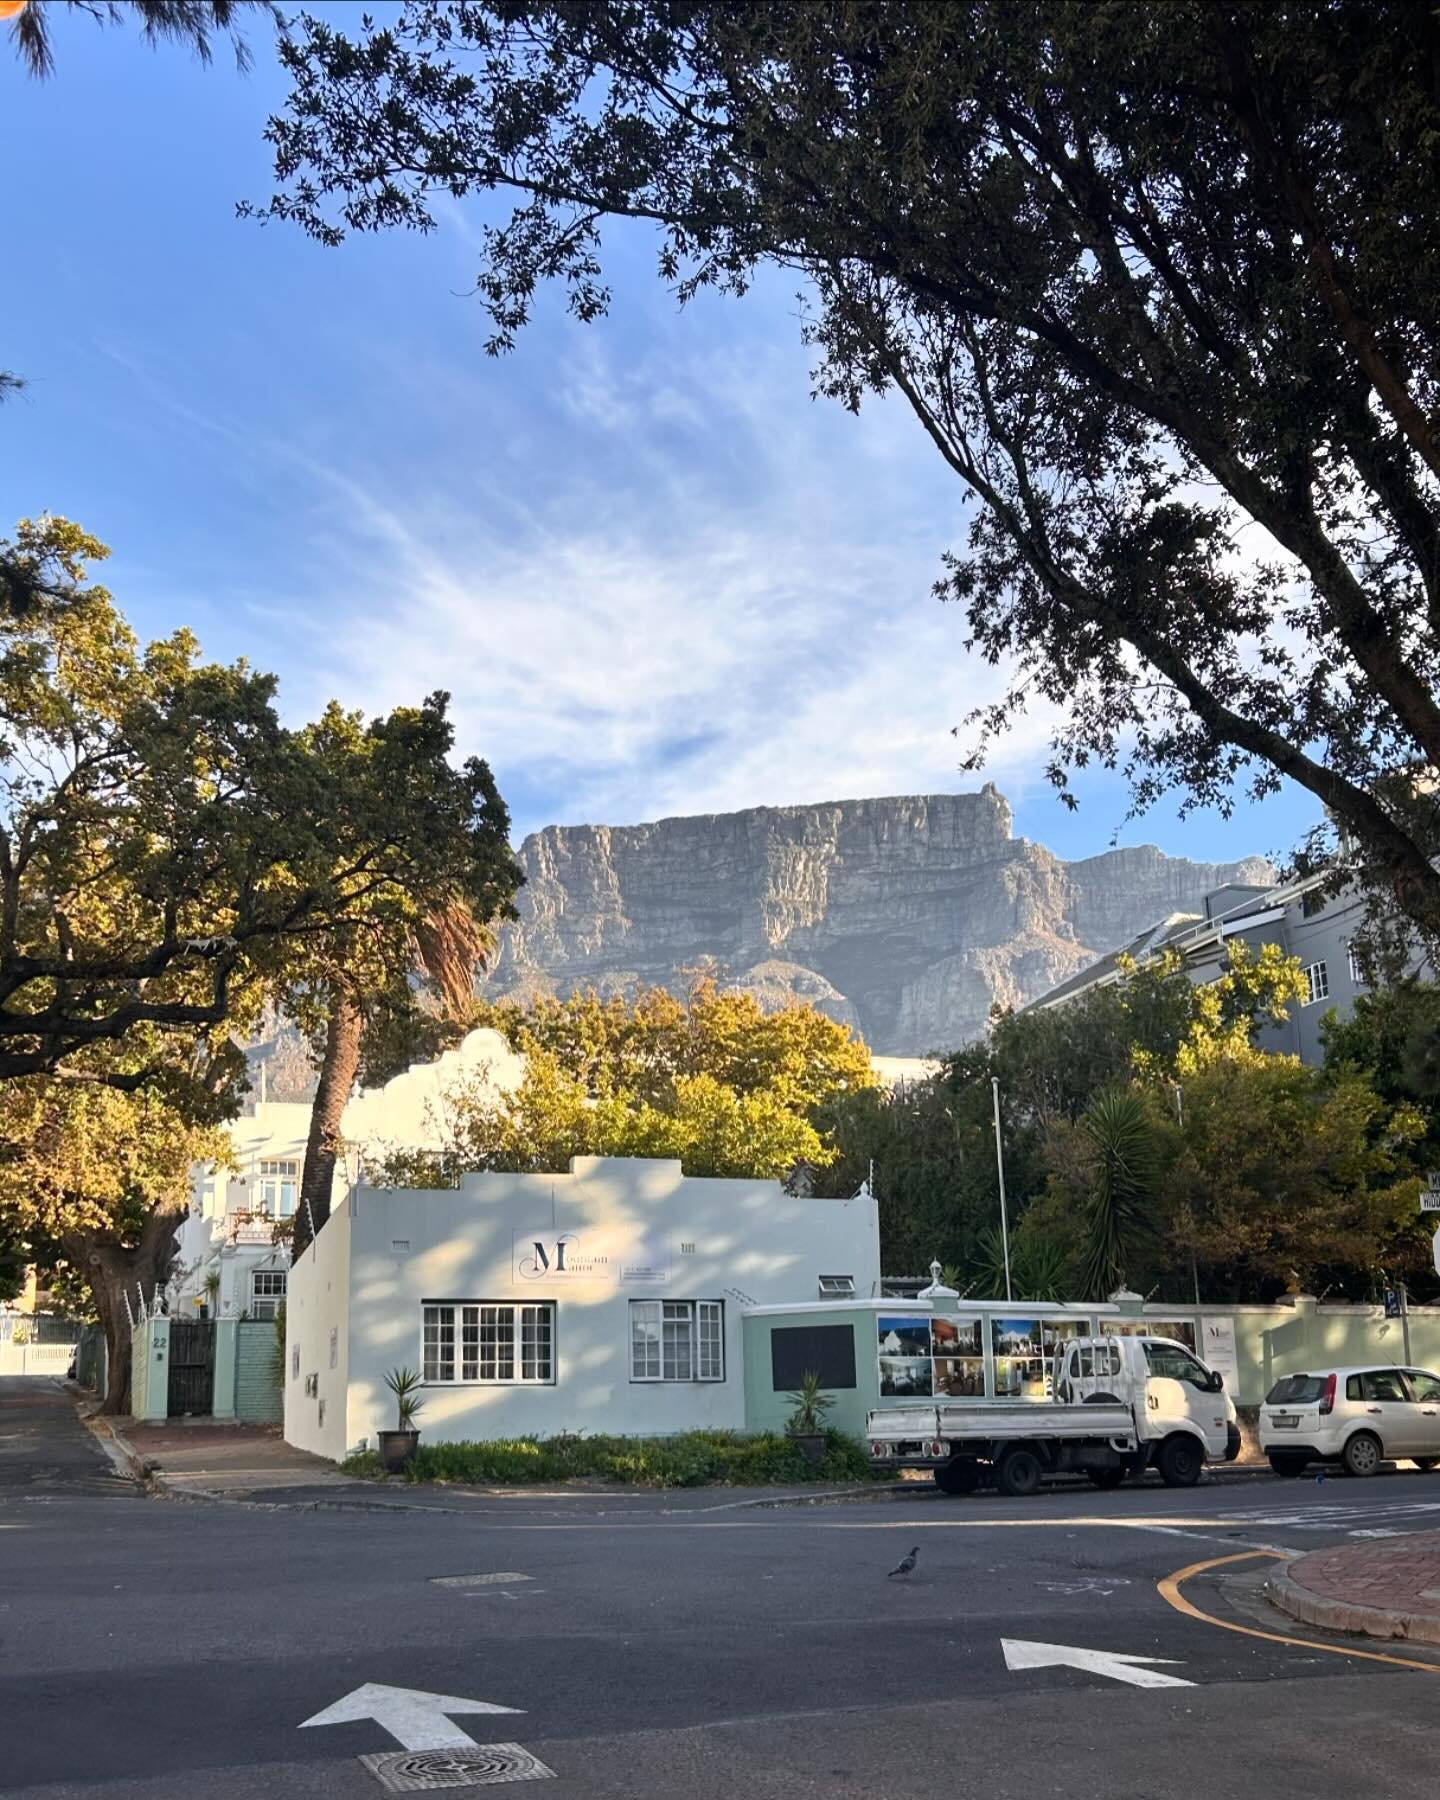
908,918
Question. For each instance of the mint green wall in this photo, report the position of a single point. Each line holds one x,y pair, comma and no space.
258,1400
1274,1341
222,1404
765,1410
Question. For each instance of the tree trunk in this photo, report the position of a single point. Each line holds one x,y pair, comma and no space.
118,1274
343,1037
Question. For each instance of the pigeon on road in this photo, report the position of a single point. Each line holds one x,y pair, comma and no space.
906,1563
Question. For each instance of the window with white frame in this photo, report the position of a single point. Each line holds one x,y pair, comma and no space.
1357,968
484,1341
1317,981
677,1340
279,1185
267,1290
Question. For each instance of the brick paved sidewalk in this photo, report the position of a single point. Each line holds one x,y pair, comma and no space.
1389,1589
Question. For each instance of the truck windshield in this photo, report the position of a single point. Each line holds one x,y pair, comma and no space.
1171,1360
1296,1390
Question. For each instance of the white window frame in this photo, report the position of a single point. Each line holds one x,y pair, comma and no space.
837,1287
274,1174
262,1306
677,1341
1357,974
1317,978
520,1333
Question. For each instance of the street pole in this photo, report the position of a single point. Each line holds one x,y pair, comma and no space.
1405,1322
1000,1171
1180,1121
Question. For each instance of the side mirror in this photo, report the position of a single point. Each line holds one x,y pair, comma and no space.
1217,1382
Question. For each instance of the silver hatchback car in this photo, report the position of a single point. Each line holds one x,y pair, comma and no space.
1357,1417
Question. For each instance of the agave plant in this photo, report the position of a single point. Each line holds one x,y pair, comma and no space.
1122,1179
405,1385
811,1406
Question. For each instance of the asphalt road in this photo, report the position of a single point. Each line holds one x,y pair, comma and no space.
164,1649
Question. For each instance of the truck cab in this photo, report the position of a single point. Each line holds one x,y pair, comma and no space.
1169,1389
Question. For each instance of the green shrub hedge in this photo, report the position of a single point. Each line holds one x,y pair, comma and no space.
693,1459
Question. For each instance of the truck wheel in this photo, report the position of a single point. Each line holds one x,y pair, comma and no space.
1181,1459
1287,1463
1018,1473
960,1476
1362,1454
1107,1478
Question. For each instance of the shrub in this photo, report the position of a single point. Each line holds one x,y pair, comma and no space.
691,1459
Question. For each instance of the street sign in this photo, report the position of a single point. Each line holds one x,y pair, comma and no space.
415,1719
1111,1663
1392,1303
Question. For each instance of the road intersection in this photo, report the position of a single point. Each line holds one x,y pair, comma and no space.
152,1647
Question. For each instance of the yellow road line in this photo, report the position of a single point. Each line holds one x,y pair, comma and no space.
1169,1591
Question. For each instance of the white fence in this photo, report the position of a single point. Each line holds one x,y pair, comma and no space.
36,1343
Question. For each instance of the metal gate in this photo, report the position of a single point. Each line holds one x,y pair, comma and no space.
192,1367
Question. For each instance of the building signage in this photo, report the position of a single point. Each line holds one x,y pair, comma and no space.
567,1256
1430,1194
1217,1351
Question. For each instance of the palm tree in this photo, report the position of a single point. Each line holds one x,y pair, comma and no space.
1122,1158
450,946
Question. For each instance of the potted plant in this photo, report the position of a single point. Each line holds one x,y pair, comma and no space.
397,1448
806,1426
212,1294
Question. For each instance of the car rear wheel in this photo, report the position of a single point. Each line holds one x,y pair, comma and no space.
1425,1463
962,1476
1181,1459
1018,1473
1107,1478
1287,1463
1362,1454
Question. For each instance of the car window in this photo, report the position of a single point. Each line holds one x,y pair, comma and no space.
1425,1386
1352,1387
1298,1390
1169,1359
1383,1384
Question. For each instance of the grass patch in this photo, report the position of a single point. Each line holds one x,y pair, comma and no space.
691,1459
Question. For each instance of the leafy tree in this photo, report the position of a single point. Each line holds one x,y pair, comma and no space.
1393,1035
99,1179
182,21
169,852
1285,1171
1150,277
711,1080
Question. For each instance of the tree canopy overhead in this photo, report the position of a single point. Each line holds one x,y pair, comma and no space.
1158,281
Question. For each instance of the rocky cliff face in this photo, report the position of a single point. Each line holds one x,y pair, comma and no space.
907,918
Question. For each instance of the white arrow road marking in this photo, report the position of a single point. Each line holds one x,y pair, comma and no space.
415,1719
1022,1655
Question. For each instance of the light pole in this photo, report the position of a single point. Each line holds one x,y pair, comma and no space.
1000,1171
1179,1093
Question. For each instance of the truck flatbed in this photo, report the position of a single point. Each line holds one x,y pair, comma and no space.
995,1422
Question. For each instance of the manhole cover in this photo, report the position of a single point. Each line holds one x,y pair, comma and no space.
411,1771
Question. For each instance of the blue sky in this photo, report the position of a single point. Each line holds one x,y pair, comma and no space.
655,575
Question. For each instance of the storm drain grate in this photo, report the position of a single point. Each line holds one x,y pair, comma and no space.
501,1580
413,1771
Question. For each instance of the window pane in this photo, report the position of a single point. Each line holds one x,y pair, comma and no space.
645,1340
535,1335
1383,1384
709,1316
439,1343
469,1343
677,1341
1426,1386
497,1343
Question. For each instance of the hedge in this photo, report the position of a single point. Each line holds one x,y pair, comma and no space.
691,1459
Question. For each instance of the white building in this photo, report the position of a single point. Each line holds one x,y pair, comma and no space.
238,1231
608,1299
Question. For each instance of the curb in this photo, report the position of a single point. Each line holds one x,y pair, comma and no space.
124,1458
1303,1603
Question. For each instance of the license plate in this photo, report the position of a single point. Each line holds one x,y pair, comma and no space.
1285,1421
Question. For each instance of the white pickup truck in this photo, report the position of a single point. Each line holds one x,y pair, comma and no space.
1121,1404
